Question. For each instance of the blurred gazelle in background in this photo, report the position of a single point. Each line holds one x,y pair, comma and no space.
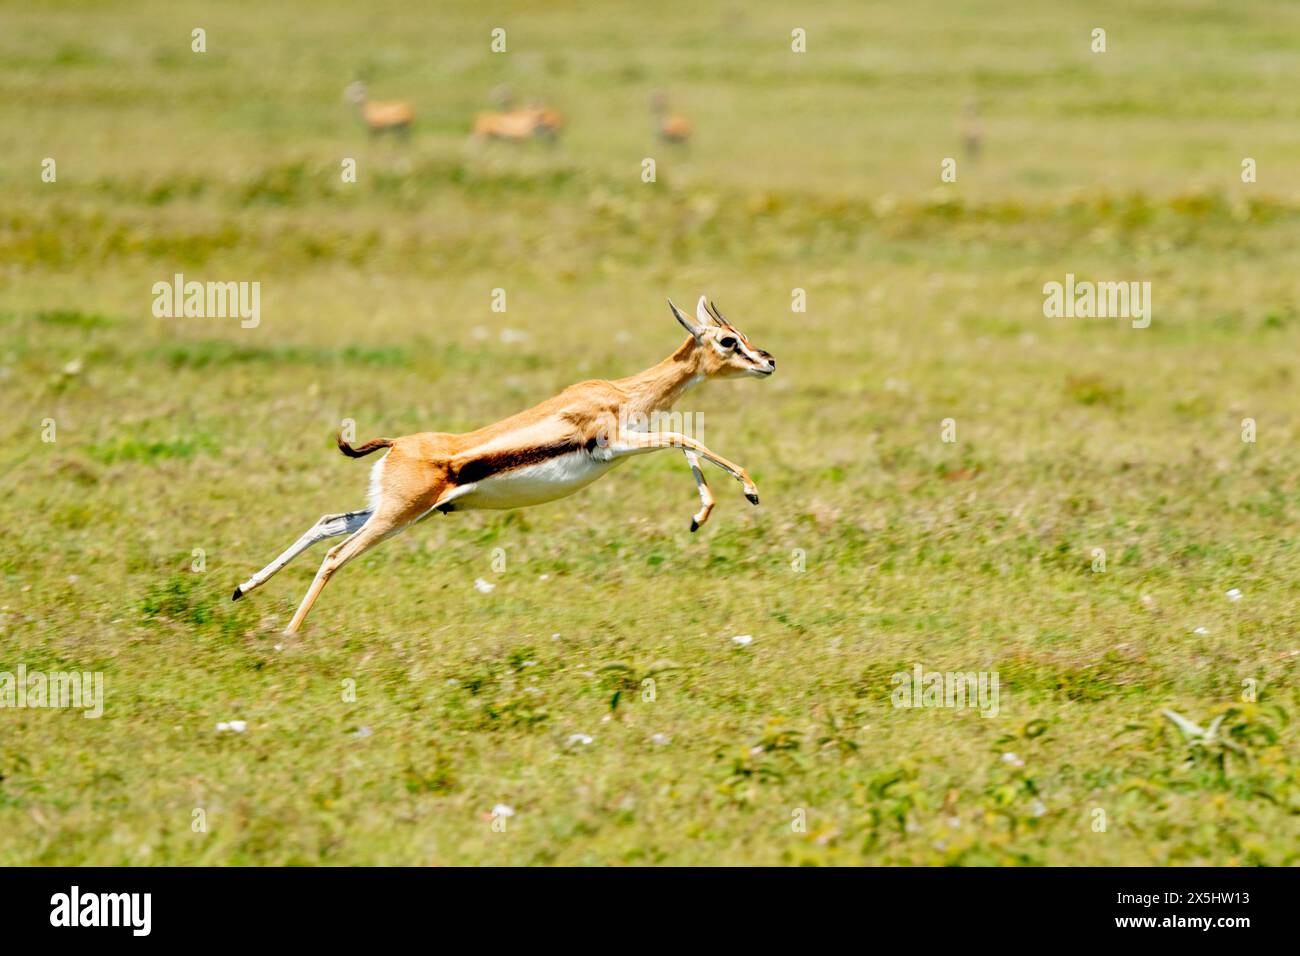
509,122
388,116
669,127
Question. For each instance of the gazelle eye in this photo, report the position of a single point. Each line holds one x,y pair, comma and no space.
727,342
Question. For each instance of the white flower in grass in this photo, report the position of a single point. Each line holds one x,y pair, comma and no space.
231,726
1038,808
503,810
583,739
743,640
1234,594
1012,759
661,740
483,587
1201,631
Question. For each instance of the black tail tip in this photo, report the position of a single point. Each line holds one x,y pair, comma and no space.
752,499
239,592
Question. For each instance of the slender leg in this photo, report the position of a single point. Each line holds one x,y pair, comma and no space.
636,443
370,535
706,496
329,526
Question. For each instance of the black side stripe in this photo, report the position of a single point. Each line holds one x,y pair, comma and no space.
485,467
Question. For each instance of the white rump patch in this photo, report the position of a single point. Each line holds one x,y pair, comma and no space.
375,493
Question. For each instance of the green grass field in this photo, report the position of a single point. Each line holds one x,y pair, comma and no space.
878,545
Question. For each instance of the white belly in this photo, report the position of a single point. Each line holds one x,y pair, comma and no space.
534,484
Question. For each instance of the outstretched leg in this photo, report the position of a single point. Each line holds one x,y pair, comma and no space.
384,523
636,443
335,558
329,526
706,495
407,487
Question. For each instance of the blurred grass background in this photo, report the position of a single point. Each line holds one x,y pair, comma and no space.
817,171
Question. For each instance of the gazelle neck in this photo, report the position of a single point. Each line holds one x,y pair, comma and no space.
659,387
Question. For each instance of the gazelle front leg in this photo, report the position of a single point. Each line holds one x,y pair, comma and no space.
636,443
707,500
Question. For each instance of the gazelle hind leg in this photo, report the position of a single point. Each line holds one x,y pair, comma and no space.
329,526
403,488
370,535
707,500
384,522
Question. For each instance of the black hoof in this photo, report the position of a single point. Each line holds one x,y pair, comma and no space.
695,525
752,499
239,592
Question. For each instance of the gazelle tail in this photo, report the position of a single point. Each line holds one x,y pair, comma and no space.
362,450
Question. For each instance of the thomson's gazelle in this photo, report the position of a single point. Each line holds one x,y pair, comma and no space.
547,452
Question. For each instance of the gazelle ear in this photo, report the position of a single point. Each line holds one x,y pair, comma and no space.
703,314
687,324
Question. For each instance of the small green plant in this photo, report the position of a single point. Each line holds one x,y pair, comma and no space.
179,598
771,759
1229,738
628,677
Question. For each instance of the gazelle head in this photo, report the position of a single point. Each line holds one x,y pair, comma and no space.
546,121
723,350
502,97
355,93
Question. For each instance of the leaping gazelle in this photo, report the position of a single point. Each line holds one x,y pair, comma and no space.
545,453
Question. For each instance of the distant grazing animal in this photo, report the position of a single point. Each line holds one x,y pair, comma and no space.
972,131
380,117
518,124
670,127
545,453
